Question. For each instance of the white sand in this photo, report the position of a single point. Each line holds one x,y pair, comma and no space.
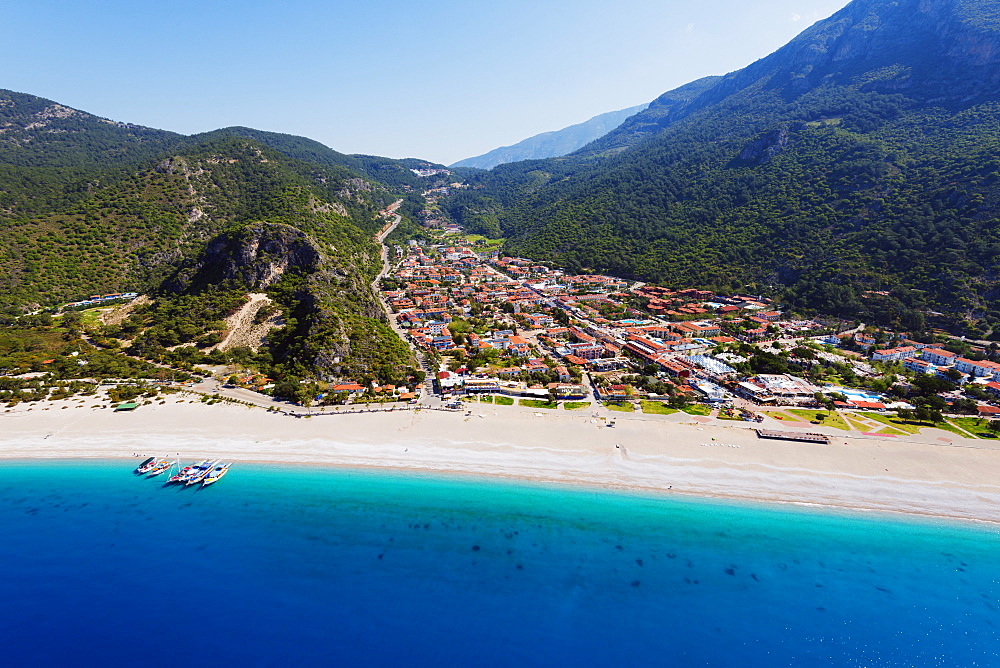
956,480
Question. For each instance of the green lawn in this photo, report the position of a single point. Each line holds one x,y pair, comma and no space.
575,405
656,408
485,399
830,418
623,407
911,427
505,401
781,415
538,403
478,238
975,426
697,409
858,425
893,422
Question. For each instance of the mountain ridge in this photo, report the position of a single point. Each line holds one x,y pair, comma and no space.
196,223
856,160
554,143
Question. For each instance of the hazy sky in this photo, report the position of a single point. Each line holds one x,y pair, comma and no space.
440,79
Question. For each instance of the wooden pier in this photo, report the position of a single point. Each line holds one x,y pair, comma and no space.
793,436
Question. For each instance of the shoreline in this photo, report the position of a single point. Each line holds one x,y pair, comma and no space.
656,493
671,457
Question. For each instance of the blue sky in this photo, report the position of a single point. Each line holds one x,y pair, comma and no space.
441,79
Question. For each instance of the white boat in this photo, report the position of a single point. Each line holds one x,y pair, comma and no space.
200,472
162,466
217,472
145,466
180,475
185,473
157,463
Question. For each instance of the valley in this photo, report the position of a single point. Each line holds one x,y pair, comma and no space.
738,228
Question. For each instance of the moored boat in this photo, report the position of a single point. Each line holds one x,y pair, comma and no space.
200,472
217,472
158,464
145,466
185,473
162,466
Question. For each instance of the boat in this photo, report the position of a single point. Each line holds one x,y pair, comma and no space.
149,467
162,466
146,465
217,472
185,473
200,472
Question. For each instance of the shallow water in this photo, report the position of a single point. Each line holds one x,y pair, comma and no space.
275,565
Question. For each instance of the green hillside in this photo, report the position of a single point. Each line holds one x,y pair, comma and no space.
859,159
394,174
197,223
52,155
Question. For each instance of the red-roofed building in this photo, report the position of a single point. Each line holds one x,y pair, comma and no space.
869,405
938,357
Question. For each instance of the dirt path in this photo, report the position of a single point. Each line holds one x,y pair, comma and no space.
242,328
117,315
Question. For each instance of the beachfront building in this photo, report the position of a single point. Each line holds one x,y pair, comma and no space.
755,391
482,385
567,391
778,387
712,392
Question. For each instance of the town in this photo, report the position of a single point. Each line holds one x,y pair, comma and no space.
489,328
488,325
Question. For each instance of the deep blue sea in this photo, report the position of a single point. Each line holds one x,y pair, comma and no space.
280,566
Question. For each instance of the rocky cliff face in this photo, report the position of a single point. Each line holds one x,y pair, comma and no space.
253,256
336,327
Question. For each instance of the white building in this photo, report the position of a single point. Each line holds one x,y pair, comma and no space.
938,357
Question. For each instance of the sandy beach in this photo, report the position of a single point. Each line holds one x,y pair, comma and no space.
954,478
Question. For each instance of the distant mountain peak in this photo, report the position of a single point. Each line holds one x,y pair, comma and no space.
552,144
853,171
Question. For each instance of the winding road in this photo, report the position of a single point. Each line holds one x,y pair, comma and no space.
428,390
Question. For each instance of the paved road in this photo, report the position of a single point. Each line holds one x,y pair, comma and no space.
426,397
386,267
380,238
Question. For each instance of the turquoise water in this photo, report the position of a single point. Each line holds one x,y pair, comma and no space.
281,565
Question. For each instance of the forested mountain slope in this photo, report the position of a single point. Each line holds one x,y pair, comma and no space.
392,173
861,158
197,223
50,154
